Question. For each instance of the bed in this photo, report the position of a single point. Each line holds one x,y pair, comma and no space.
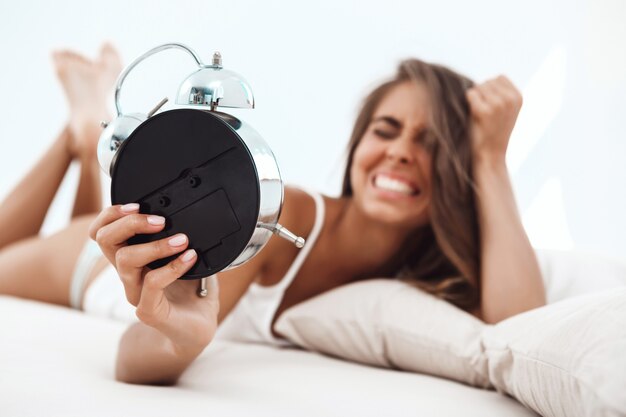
55,361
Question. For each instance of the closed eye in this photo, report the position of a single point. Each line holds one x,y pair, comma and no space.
385,134
427,139
386,127
422,136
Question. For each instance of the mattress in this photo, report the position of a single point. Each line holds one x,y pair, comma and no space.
55,361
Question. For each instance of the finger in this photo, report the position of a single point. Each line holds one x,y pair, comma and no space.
153,306
484,96
502,95
130,261
137,256
109,215
113,236
509,90
506,82
502,86
492,94
477,102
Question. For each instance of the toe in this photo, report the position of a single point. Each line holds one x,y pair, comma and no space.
74,56
109,56
70,57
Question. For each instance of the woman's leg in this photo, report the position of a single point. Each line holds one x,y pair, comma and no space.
24,209
42,268
88,86
89,194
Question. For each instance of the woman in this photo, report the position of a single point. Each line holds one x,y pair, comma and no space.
426,195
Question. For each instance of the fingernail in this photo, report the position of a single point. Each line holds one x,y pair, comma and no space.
189,255
129,208
177,240
156,220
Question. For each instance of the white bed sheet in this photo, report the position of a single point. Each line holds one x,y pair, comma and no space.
58,362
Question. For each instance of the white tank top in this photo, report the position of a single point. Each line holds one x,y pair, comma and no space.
251,319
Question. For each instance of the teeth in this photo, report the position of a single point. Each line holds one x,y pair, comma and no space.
386,183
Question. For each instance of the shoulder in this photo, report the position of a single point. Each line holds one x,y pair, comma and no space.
298,211
298,216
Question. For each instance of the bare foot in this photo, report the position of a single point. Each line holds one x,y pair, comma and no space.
87,85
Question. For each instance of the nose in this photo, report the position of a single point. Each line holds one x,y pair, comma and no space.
401,150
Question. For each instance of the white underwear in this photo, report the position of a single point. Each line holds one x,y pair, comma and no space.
106,298
85,263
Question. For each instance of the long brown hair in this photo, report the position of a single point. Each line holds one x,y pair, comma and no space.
445,255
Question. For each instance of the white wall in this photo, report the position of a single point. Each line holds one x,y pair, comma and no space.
310,63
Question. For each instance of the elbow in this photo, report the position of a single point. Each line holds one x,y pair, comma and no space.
123,374
496,315
127,379
493,318
488,317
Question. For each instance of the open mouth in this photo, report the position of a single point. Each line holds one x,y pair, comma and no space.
395,185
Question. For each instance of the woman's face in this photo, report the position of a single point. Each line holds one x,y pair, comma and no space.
391,168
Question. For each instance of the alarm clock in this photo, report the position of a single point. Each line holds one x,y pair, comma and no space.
209,173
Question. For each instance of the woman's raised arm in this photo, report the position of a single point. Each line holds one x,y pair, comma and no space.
510,277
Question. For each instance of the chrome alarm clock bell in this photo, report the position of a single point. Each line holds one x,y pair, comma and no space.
207,172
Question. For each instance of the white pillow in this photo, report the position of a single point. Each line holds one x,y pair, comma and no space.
389,323
570,273
564,359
